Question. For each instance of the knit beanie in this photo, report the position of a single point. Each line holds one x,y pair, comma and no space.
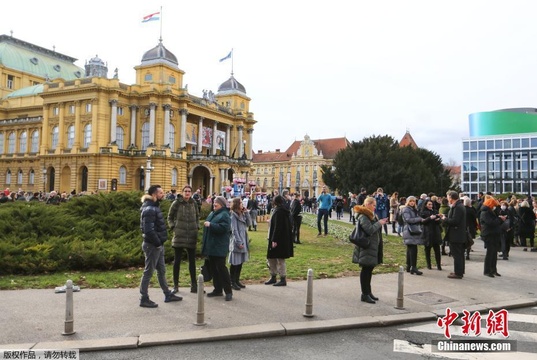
221,200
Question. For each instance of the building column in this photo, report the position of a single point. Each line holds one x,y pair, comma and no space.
222,177
92,147
78,130
184,113
45,131
211,185
152,107
228,139
241,146
113,121
249,147
166,137
61,128
134,109
200,135
214,145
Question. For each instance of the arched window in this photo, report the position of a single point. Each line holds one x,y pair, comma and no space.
120,137
19,177
23,142
35,142
172,137
11,143
8,177
31,177
1,143
174,177
145,135
55,133
122,175
87,135
70,136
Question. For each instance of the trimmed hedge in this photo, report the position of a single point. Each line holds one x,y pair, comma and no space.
94,232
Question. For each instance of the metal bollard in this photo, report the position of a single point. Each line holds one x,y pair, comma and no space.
69,319
400,282
309,295
200,314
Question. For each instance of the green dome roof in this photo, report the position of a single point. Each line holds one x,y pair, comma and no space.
27,91
20,55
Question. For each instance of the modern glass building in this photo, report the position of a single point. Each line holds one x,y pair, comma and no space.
500,155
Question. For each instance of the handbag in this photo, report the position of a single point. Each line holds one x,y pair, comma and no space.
415,229
469,241
359,238
232,241
206,270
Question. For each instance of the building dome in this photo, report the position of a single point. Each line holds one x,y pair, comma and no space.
231,85
159,54
96,61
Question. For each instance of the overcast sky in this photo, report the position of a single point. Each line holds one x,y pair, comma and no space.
323,68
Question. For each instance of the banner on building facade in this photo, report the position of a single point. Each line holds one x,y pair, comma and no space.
192,133
207,139
220,140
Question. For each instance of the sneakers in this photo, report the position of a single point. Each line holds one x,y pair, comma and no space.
171,297
148,303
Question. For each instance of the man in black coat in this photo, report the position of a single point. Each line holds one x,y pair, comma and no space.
296,213
455,222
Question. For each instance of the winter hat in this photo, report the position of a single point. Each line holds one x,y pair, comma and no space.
221,200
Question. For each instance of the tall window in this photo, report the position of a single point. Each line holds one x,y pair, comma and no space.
87,135
55,136
145,135
122,175
174,177
172,137
35,142
88,107
31,177
11,143
8,177
10,81
1,143
70,136
120,137
19,177
23,142
71,109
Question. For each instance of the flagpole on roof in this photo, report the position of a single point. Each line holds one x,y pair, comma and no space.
161,18
231,61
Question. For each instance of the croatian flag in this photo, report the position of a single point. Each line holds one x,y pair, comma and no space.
228,56
151,17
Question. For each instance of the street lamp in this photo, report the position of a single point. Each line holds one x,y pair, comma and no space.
148,169
44,171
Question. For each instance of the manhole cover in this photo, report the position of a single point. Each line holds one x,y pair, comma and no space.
430,298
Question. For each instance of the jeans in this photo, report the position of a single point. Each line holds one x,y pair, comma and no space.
191,265
154,260
322,213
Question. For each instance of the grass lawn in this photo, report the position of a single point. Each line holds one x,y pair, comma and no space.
329,257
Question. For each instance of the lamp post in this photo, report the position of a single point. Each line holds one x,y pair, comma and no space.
44,171
148,169
244,150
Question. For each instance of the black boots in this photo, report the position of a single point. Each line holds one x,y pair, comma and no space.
271,281
234,272
282,282
414,270
368,299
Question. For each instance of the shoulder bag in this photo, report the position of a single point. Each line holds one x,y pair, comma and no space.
359,238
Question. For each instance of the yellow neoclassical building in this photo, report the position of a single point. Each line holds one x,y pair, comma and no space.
65,128
298,168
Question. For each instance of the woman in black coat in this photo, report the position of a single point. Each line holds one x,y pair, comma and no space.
280,242
432,233
526,224
471,222
490,233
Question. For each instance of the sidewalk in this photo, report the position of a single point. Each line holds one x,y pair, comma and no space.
111,318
